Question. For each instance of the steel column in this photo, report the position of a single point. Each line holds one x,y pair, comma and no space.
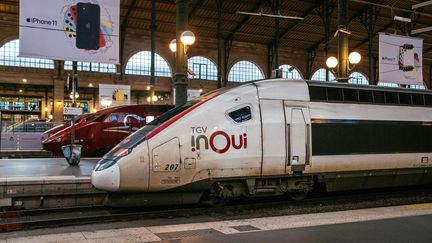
219,43
180,79
153,27
342,41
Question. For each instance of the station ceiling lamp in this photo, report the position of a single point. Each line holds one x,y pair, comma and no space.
353,59
187,38
173,45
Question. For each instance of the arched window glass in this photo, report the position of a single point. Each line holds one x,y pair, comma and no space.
9,57
244,71
290,72
92,67
358,78
320,75
203,67
417,86
139,64
393,85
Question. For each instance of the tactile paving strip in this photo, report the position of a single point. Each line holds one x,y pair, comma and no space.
188,233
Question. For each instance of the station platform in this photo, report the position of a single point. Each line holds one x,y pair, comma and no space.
37,167
409,223
39,182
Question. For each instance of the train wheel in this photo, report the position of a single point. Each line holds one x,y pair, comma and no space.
297,195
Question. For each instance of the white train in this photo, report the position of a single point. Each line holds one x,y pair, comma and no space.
273,137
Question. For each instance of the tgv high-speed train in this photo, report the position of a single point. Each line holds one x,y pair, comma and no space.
273,137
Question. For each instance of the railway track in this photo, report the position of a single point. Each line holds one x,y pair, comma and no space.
236,209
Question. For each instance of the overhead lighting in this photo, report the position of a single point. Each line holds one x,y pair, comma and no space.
332,62
76,95
90,85
20,90
402,19
24,80
46,109
148,87
187,37
354,57
173,45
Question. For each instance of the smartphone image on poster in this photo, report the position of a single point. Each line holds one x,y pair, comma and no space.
87,26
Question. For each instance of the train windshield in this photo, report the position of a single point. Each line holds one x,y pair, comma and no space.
137,137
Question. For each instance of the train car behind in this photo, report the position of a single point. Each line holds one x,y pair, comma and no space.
99,132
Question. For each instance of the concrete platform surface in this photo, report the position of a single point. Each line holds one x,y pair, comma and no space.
410,223
38,167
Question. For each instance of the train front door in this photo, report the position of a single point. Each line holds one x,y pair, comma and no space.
298,137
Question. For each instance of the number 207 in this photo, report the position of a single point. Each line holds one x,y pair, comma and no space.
171,167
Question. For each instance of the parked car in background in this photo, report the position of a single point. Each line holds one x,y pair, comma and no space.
101,131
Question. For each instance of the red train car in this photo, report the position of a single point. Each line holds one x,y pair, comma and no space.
99,132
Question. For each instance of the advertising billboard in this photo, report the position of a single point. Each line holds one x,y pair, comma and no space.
400,59
73,30
113,94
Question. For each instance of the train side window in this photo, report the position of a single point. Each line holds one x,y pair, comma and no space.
366,96
241,115
350,95
334,94
391,98
379,97
418,99
428,100
317,93
405,98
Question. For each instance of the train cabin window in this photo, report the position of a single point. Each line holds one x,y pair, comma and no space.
379,97
391,98
241,115
366,96
418,99
318,93
334,94
405,98
350,95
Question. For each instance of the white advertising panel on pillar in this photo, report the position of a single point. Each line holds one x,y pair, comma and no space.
400,59
112,95
74,30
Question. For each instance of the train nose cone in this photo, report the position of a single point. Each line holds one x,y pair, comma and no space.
107,179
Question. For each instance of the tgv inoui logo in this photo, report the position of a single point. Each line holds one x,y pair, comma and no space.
219,141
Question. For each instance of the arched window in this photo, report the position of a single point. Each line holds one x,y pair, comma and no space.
358,78
320,75
203,67
290,72
393,85
139,64
9,57
244,71
92,67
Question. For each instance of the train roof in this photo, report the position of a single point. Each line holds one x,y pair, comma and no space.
318,91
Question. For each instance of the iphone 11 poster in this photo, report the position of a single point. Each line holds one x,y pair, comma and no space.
73,30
